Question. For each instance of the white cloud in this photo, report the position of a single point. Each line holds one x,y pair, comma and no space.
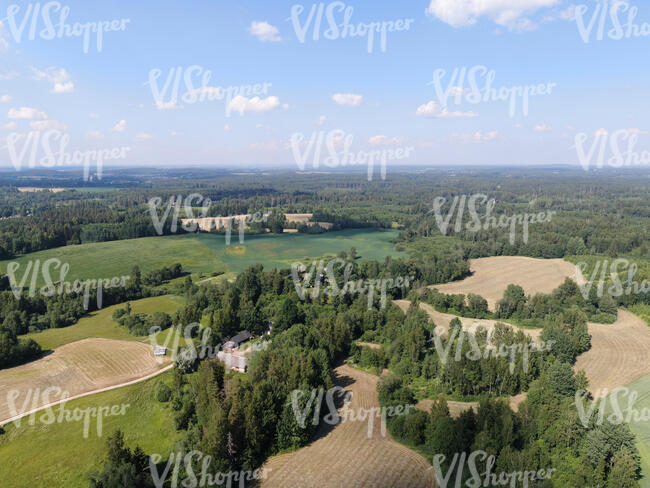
570,127
48,125
94,116
266,146
227,128
321,120
636,131
67,87
459,13
542,128
381,140
432,109
242,104
173,133
349,99
8,75
476,137
59,78
5,99
264,31
94,134
26,113
4,36
601,132
143,136
120,126
10,126
168,105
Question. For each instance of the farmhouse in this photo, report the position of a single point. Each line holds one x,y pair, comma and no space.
237,341
235,361
159,350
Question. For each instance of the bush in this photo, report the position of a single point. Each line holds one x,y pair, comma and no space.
163,392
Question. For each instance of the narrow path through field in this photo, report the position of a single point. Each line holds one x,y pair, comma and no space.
347,456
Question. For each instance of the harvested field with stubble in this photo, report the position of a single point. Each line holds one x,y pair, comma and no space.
619,354
346,456
77,368
491,277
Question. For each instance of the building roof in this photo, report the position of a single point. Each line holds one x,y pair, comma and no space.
241,337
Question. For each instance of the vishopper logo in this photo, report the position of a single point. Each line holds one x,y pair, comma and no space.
49,149
489,221
54,395
190,350
61,286
54,17
609,14
477,352
618,415
478,460
480,90
338,18
318,273
616,149
302,409
202,222
205,477
338,147
609,274
196,81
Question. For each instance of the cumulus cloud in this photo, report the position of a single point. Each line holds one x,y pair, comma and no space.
26,113
601,132
432,109
636,131
67,87
475,138
227,128
510,13
264,31
120,126
349,99
242,104
94,134
321,120
10,126
143,136
381,140
173,133
542,128
5,99
167,105
59,78
8,75
48,125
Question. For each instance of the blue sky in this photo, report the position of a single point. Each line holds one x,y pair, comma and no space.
383,99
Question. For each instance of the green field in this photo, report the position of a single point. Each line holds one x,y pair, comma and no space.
642,428
101,323
205,253
69,455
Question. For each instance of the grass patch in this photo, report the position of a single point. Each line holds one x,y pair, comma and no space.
641,310
101,323
24,448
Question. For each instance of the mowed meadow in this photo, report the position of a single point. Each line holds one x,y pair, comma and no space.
146,422
206,253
